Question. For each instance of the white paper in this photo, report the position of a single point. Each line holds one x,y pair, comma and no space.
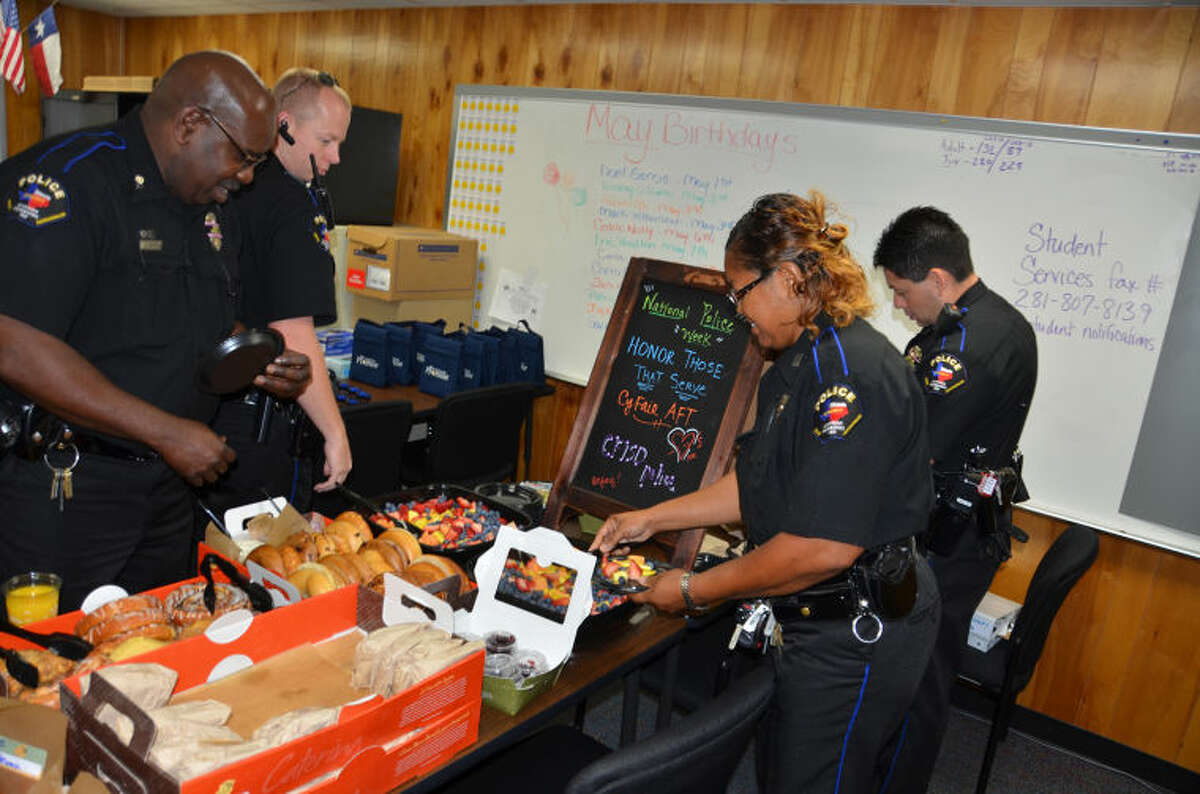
517,299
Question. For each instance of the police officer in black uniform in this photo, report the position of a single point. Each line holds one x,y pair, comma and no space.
976,358
115,241
832,485
287,276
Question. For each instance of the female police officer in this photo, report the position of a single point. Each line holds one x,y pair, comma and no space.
832,484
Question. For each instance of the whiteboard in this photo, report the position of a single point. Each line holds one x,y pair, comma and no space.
1086,231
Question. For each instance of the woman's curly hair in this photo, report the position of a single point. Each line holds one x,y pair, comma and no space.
782,226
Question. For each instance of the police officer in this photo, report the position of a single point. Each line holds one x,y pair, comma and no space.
287,273
832,485
115,241
976,358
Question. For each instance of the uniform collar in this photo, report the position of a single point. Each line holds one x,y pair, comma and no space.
145,180
977,291
794,362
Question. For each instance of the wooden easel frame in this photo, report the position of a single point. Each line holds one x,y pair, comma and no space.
564,495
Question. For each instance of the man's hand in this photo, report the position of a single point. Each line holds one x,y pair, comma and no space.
195,452
337,464
286,376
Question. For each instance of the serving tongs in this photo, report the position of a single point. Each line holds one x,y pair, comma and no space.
22,671
68,646
260,597
362,503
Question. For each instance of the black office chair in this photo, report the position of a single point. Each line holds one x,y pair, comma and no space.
697,754
378,432
474,436
1004,671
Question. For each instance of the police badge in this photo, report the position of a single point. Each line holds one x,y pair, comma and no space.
214,230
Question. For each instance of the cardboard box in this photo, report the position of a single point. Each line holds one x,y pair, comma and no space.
409,263
552,639
134,83
455,311
305,649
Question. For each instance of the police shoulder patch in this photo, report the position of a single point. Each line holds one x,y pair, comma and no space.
38,200
946,373
836,413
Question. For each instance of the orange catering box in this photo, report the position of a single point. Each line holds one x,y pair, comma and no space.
294,656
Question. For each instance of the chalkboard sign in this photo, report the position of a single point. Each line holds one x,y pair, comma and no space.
668,393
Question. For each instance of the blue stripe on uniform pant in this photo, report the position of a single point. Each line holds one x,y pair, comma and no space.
846,739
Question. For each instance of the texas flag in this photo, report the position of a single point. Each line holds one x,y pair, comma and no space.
45,51
12,59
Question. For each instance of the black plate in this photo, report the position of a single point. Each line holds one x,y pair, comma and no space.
446,491
623,588
236,361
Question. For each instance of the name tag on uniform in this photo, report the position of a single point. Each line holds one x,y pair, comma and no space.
148,240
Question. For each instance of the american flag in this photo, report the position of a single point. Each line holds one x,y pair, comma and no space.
11,57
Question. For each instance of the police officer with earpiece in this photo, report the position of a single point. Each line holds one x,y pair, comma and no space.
976,359
287,278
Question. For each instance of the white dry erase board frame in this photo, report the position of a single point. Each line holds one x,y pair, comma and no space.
1090,232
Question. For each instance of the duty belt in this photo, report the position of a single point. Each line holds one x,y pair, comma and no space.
881,582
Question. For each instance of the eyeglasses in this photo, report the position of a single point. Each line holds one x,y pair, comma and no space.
249,159
735,295
321,78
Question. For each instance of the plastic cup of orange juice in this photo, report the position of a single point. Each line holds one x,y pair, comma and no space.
31,597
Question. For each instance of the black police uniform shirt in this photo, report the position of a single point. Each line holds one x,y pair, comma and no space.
287,270
99,253
978,372
839,449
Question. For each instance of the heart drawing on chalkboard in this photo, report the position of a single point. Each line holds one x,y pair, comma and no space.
683,442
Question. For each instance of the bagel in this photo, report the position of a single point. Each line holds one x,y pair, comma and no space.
268,557
299,578
345,536
360,523
361,567
374,559
422,573
391,555
322,544
341,563
449,568
320,579
303,543
113,608
291,559
404,541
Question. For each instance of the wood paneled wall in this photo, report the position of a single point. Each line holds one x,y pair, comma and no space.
1122,660
92,44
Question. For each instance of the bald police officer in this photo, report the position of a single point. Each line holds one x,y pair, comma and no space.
116,242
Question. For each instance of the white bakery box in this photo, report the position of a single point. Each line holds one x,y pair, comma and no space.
552,637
